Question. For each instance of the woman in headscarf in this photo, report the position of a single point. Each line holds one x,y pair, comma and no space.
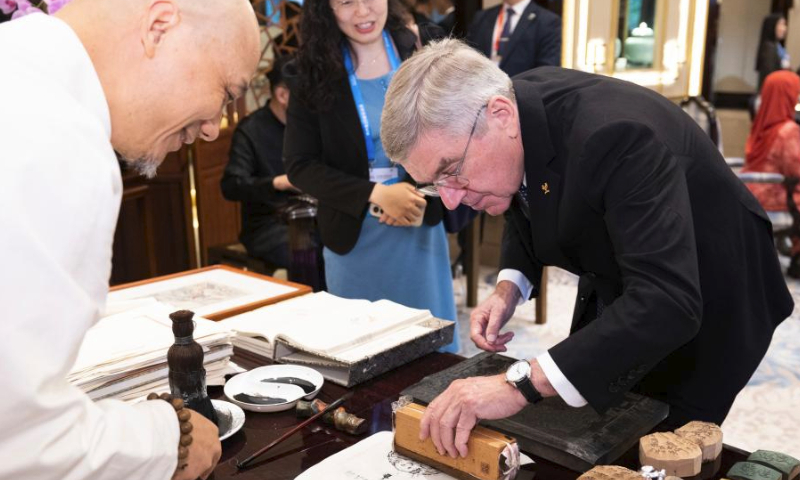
772,55
774,146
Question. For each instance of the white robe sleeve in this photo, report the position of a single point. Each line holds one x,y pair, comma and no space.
60,191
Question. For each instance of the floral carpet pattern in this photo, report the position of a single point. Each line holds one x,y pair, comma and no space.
766,414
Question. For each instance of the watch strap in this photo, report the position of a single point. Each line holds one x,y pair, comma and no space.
525,386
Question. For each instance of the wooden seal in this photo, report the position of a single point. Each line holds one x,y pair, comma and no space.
610,472
787,465
752,471
707,436
665,450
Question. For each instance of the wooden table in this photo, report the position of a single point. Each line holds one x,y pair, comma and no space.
372,400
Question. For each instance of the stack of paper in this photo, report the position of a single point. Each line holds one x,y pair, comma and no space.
124,356
339,336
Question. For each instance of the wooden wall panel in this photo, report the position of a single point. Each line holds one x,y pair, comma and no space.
219,219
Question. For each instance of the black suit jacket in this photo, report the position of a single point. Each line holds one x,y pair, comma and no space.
255,160
628,192
536,40
326,156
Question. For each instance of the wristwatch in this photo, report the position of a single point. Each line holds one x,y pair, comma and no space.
519,376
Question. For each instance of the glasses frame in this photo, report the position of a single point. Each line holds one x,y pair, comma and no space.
451,180
337,5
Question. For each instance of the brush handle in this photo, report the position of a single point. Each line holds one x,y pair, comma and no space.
294,430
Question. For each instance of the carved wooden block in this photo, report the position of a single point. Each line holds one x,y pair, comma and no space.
707,436
485,460
665,450
610,472
752,471
787,465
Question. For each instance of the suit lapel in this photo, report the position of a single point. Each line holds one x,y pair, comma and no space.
544,182
528,20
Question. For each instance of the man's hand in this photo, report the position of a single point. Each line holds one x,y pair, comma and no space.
489,317
282,183
204,452
402,204
451,417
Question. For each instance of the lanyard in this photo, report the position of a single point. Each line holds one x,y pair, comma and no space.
498,27
394,62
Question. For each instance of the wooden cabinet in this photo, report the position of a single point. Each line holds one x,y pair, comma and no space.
167,223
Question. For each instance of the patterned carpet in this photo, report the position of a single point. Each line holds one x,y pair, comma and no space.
766,414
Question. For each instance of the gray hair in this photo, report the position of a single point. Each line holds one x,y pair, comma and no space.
442,87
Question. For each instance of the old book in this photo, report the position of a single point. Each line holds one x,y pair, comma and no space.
752,471
576,438
667,451
347,341
707,436
787,465
610,472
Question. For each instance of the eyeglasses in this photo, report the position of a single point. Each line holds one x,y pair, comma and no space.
349,6
451,180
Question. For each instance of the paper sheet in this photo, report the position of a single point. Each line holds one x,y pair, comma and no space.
324,323
373,459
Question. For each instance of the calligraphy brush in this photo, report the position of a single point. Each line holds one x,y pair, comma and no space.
294,430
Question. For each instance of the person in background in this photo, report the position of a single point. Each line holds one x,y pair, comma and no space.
255,175
774,146
772,54
443,12
382,239
517,35
133,79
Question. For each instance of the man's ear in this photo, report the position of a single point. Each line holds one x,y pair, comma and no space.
282,94
161,16
503,111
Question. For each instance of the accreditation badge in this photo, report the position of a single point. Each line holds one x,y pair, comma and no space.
386,175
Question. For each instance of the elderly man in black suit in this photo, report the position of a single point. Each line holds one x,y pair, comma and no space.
517,35
680,287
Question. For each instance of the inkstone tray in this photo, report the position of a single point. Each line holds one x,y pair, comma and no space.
575,438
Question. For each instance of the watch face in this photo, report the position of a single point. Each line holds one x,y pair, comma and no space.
518,371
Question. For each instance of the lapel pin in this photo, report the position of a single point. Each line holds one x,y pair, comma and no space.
531,16
545,188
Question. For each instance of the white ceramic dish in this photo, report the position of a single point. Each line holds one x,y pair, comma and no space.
230,416
270,385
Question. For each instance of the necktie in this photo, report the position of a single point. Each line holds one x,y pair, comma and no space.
600,306
505,35
522,196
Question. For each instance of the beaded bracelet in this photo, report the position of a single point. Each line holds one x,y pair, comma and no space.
184,416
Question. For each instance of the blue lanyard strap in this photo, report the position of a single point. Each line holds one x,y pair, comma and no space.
394,62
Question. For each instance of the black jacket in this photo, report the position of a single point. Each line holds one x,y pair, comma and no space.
326,157
639,203
255,159
536,40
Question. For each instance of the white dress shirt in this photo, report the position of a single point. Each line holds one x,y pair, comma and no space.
60,190
565,389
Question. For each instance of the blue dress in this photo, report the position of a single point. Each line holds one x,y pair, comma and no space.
407,265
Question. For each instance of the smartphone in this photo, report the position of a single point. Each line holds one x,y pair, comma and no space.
377,211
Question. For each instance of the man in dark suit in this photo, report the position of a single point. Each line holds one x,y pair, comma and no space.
680,287
517,35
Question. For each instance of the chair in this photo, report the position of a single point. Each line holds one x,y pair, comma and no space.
784,224
235,255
